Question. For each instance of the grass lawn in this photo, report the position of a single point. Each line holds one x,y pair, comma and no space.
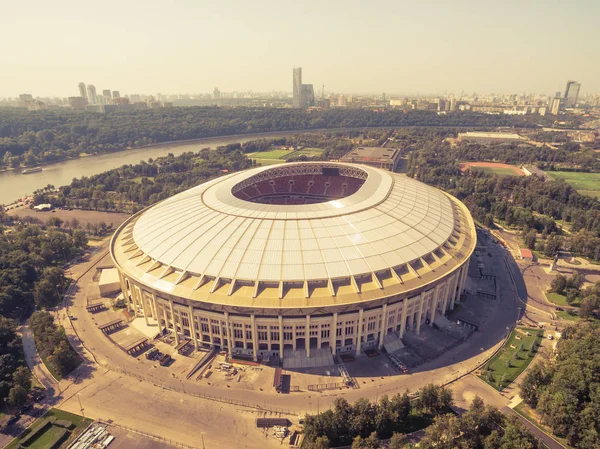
500,171
46,437
278,155
567,316
557,298
273,154
499,373
585,183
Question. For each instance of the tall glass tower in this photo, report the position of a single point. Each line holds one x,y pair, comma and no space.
571,93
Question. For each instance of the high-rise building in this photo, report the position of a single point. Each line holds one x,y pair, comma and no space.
216,93
571,93
297,89
91,94
116,94
304,94
557,104
307,96
106,94
82,91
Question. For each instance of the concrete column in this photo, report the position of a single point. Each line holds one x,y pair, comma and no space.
404,313
445,297
210,332
156,312
434,303
254,339
164,309
465,270
359,334
280,318
420,312
229,335
307,336
192,326
269,337
293,337
333,335
383,326
174,322
453,292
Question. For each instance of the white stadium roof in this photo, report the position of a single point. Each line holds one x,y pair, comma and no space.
392,236
391,220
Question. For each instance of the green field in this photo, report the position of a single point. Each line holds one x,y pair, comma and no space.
556,298
499,374
567,316
42,441
272,154
279,155
585,183
500,171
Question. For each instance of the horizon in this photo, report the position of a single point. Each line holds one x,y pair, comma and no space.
393,47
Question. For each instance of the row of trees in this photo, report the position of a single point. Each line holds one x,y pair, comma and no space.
15,377
52,344
480,427
43,136
566,391
345,421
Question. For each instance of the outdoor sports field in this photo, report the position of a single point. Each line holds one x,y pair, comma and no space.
495,168
280,155
585,183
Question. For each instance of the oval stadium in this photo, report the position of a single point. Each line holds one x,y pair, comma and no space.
296,259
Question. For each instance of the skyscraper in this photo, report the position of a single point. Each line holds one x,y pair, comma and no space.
82,91
304,94
571,93
297,87
91,94
106,93
116,94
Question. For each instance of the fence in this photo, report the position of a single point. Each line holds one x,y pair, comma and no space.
331,386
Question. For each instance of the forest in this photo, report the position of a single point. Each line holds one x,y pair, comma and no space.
32,257
565,391
29,138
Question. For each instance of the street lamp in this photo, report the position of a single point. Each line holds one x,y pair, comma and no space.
202,435
80,406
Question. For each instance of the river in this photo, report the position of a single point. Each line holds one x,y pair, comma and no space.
14,185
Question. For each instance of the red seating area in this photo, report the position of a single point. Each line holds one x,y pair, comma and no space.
290,190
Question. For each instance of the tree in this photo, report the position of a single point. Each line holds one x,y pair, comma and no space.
588,305
536,379
17,396
371,442
530,239
571,295
319,443
22,378
398,441
558,284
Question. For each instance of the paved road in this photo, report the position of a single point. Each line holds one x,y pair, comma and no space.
541,436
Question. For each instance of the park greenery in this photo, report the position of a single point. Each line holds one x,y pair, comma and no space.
364,424
53,345
29,138
570,288
565,391
32,257
516,355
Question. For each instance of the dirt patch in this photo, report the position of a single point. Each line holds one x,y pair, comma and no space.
464,166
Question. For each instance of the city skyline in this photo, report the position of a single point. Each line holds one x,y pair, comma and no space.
395,47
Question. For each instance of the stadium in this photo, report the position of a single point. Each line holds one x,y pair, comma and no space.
301,258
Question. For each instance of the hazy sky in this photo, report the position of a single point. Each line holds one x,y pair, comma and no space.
395,46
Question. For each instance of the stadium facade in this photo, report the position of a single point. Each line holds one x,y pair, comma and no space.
296,257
